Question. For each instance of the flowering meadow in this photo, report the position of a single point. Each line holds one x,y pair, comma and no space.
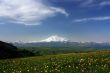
94,62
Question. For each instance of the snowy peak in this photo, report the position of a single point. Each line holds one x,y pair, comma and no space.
54,38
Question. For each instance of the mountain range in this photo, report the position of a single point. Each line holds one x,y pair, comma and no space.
58,41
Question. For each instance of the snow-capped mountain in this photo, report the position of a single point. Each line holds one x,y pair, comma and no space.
55,38
58,41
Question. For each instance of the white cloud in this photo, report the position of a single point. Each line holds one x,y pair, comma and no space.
87,3
27,12
104,3
64,0
1,23
93,3
92,19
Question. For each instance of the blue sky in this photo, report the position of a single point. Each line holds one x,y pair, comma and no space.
34,20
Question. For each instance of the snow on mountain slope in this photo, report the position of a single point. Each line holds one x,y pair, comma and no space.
54,38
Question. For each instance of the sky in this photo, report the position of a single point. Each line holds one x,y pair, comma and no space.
34,20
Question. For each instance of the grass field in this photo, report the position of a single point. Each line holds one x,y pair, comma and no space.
94,62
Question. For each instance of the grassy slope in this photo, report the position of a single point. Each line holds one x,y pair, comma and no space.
94,62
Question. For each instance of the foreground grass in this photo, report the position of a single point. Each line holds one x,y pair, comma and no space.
95,62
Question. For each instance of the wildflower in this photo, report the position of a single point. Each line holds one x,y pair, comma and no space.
28,70
34,68
46,71
20,71
105,65
69,66
89,63
82,70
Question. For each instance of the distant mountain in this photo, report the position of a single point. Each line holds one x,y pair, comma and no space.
63,44
58,41
55,38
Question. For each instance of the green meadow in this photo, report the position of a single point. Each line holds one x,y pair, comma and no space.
92,62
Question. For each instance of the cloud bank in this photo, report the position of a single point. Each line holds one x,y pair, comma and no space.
27,12
92,19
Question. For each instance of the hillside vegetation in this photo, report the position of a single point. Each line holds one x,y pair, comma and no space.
7,50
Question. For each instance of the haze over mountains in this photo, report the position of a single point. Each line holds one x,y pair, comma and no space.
58,41
52,38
